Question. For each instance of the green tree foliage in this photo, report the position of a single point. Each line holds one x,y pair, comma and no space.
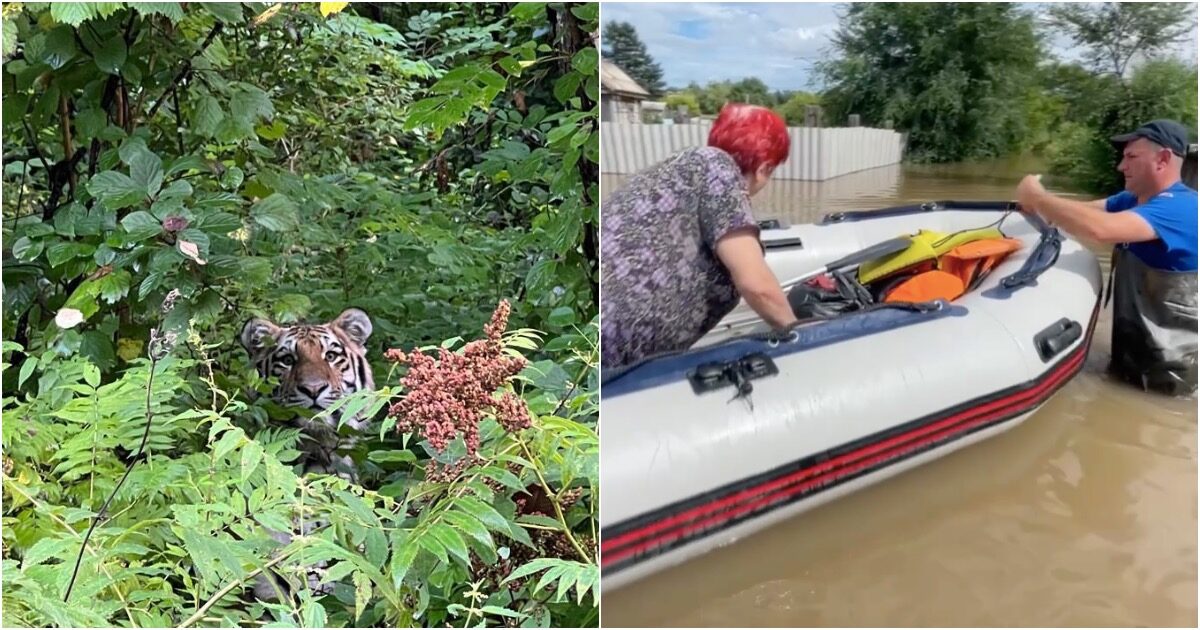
953,75
421,162
623,47
796,106
1114,33
1082,150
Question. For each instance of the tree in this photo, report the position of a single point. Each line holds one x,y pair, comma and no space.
1115,32
794,108
623,46
952,75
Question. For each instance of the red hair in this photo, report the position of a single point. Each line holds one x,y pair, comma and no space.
753,135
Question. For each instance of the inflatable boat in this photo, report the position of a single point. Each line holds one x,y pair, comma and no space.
752,426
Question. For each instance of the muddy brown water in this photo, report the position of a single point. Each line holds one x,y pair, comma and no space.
1084,515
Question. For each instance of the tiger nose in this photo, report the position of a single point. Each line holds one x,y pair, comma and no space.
313,390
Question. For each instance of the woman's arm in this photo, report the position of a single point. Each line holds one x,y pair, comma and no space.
740,252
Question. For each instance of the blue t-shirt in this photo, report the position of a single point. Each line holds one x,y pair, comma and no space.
1172,214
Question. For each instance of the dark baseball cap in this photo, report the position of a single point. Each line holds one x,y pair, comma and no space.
1165,133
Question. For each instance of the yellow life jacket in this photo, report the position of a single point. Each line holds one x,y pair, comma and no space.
926,245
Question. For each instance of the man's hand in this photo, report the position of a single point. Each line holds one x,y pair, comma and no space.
1030,192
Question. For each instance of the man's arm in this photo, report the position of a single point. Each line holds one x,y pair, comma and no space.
742,255
1085,219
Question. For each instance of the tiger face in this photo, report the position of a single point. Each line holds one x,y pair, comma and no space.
315,365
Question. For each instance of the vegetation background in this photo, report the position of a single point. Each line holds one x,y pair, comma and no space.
972,81
421,162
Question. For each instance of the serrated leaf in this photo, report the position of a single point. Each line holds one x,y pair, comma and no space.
227,12
73,13
484,513
430,543
470,526
46,549
191,251
402,558
277,213
313,613
113,286
252,454
451,539
362,593
170,10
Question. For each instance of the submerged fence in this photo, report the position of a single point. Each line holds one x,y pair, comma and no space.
816,153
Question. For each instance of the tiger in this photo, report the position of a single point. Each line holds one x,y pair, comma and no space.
315,365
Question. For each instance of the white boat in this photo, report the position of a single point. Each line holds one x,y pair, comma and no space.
751,427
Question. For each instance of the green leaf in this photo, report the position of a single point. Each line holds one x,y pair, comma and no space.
470,526
588,11
116,190
252,454
207,116
91,375
141,225
111,56
567,85
73,13
392,456
229,441
60,46
585,61
430,543
277,213
26,249
313,614
451,539
362,593
170,10
561,316
146,169
503,612
527,11
484,513
402,559
9,40
113,286
27,368
227,12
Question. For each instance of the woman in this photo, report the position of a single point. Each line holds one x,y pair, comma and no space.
679,243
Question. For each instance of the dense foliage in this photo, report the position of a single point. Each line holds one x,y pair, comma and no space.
951,75
420,162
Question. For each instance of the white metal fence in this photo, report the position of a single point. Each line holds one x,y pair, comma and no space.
816,154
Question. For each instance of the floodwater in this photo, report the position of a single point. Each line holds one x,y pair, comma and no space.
1084,515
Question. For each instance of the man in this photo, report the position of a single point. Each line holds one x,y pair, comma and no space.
1153,227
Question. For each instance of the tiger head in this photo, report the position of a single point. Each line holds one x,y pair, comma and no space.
315,365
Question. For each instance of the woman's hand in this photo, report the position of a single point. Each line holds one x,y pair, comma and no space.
742,255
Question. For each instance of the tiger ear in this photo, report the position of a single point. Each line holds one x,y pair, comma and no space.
355,324
257,334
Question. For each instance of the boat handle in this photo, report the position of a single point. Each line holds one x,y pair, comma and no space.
1057,337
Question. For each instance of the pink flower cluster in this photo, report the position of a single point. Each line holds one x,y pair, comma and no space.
452,393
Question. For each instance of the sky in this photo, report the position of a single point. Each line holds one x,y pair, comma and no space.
776,42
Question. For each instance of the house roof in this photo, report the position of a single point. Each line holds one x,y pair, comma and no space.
613,80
